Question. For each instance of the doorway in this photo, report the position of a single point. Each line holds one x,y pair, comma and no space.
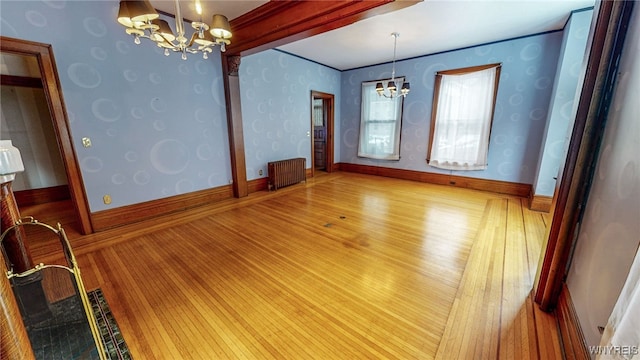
322,121
42,56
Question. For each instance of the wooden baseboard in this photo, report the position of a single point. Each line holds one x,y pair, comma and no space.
262,184
41,196
259,184
502,187
106,219
573,341
540,202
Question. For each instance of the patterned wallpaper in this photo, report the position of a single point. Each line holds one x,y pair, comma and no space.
157,124
563,107
608,237
276,106
528,71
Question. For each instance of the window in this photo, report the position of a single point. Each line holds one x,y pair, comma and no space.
318,112
463,104
380,123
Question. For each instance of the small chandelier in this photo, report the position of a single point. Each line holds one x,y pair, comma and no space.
391,85
142,21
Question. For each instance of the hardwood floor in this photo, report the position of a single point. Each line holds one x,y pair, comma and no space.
345,266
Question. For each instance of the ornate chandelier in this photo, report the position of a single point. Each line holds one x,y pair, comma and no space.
142,21
391,85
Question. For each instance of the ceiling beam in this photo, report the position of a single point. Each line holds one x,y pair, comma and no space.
278,23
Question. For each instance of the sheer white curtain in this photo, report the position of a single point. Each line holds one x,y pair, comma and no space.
380,123
462,124
621,338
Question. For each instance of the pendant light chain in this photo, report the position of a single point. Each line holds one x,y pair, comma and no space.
395,43
391,90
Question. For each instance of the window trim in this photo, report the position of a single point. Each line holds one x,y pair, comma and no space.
436,95
399,120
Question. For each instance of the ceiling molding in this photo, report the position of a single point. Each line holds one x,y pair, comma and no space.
278,23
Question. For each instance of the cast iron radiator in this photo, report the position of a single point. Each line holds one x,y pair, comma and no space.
286,172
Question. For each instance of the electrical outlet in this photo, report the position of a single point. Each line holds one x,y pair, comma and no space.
106,199
260,172
86,142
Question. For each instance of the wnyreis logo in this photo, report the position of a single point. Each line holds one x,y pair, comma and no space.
624,350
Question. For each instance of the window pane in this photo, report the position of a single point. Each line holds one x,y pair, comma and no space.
461,122
380,124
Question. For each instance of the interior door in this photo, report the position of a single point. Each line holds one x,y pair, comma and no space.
322,119
43,53
319,135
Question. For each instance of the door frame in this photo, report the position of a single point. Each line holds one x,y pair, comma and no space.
611,20
328,102
53,93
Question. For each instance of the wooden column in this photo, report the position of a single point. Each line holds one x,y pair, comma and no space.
230,68
14,341
14,243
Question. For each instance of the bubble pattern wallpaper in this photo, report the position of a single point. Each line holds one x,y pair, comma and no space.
276,106
524,91
608,235
157,124
563,106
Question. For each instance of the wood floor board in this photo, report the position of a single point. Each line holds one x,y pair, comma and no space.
344,266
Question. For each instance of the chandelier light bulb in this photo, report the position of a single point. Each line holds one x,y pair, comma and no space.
142,21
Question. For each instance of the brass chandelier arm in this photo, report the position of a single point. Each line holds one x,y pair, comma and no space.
142,21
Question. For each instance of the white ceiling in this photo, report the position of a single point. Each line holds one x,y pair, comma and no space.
428,27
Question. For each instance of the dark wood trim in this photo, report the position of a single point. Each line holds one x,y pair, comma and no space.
273,24
496,186
573,341
469,69
21,81
259,184
280,22
41,196
540,203
328,100
605,46
57,109
106,219
230,66
434,112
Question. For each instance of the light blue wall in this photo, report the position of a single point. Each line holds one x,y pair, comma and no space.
608,239
276,106
157,124
563,105
528,70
